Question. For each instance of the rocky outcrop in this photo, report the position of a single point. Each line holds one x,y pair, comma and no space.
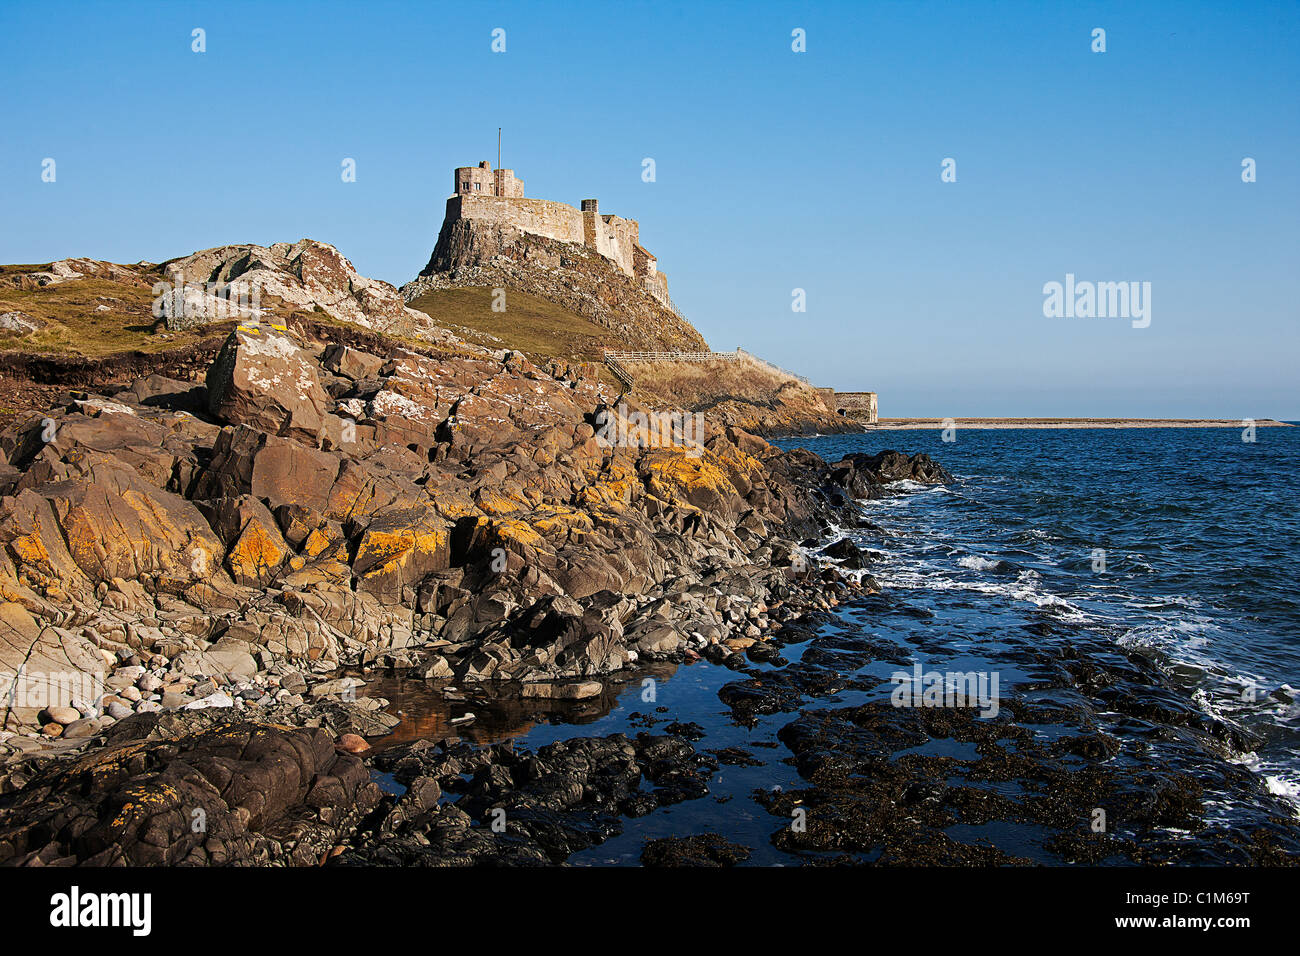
68,270
307,275
166,791
320,504
479,253
186,567
19,322
864,476
236,283
522,808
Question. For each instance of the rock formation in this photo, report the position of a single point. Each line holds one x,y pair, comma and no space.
189,565
472,252
316,504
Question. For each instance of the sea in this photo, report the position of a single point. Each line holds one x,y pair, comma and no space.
1179,546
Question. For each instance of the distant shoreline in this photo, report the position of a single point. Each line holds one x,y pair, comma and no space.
897,424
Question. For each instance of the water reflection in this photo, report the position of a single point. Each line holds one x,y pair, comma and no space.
428,707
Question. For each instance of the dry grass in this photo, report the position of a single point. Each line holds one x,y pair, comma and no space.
699,386
76,324
532,325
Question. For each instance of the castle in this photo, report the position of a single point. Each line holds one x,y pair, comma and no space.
495,195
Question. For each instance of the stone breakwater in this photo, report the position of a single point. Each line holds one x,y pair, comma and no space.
212,555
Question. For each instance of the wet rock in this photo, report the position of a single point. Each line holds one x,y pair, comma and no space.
705,849
863,475
352,744
518,807
263,794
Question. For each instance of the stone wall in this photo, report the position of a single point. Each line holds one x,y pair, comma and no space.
613,237
861,406
616,238
542,217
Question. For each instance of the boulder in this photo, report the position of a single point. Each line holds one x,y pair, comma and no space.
264,794
262,378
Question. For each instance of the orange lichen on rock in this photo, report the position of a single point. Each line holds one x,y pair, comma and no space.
257,554
682,479
494,503
550,520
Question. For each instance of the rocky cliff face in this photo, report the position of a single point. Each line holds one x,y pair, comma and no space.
313,504
473,252
196,542
185,567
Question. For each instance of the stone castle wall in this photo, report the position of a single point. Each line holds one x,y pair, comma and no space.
617,239
495,196
542,217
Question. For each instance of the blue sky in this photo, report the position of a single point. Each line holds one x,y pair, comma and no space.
775,170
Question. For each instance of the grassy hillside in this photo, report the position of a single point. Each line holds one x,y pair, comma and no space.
90,317
532,325
96,318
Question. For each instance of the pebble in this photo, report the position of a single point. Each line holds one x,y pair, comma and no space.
63,715
81,728
149,683
352,744
216,699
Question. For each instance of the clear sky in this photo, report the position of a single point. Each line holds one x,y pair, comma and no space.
775,170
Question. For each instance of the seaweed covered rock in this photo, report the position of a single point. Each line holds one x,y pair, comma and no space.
192,790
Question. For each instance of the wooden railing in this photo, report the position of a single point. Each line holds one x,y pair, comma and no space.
620,371
672,356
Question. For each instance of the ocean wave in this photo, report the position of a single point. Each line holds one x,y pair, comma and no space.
977,563
907,484
1207,600
1019,590
1286,788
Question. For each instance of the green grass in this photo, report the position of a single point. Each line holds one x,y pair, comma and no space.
534,326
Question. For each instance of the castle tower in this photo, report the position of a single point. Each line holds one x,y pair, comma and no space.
591,223
483,180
